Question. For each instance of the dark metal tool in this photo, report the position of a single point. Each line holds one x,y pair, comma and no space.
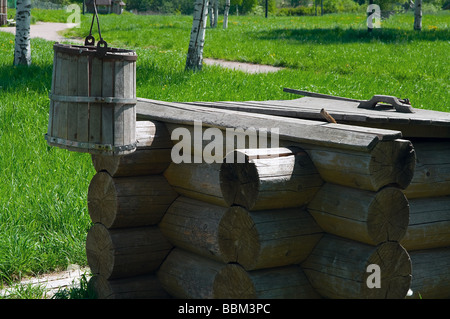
400,105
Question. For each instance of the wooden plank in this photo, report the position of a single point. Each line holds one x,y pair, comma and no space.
62,78
83,108
296,130
51,109
422,123
72,90
95,111
109,135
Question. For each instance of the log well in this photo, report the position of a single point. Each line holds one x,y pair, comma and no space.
254,231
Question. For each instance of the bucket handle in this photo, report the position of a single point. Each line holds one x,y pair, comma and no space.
102,46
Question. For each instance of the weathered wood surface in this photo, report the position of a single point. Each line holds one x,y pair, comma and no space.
432,173
388,163
365,216
431,279
269,178
136,287
78,123
199,181
429,225
337,269
126,252
421,123
255,240
128,201
189,276
381,158
291,129
152,155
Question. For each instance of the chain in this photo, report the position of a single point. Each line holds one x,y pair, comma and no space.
90,40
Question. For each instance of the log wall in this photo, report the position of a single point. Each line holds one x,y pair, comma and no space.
302,222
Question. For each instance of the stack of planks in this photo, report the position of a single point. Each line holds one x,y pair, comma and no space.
305,219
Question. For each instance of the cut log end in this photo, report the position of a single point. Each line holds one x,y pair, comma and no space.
238,238
388,216
99,247
393,162
239,183
102,199
395,271
269,178
233,282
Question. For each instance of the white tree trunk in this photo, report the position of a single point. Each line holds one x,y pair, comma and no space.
216,12
225,14
22,51
211,13
418,15
195,52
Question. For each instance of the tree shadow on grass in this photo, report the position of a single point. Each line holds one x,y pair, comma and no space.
351,35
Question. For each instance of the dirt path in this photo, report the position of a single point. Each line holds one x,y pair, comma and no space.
47,31
50,31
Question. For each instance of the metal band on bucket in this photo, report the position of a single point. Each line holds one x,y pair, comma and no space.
91,146
91,99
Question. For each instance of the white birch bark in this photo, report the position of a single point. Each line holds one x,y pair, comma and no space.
216,13
22,50
211,13
418,15
194,59
225,14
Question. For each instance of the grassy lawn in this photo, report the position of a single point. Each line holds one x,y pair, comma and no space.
43,209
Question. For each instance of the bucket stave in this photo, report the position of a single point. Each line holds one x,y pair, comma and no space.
93,100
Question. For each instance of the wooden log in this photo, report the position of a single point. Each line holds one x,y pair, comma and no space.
128,201
255,240
137,287
429,225
432,174
431,279
189,276
119,253
338,269
152,155
365,216
290,129
269,178
199,181
349,155
388,163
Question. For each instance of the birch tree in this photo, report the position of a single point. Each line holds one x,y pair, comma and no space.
418,15
213,13
225,14
195,52
22,50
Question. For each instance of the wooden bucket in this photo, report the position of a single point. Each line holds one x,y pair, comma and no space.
93,100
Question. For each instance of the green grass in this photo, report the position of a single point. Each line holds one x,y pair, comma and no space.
43,209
